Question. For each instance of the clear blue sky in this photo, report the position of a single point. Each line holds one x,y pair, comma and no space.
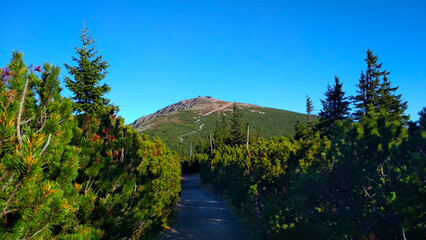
269,53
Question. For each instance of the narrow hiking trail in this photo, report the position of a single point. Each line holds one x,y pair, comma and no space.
203,215
198,119
186,134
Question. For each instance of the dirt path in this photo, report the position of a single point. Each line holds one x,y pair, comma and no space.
186,134
220,109
199,119
203,215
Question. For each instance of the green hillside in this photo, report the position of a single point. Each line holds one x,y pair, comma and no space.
182,129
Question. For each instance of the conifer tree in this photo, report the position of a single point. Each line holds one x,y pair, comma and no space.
221,134
237,132
335,106
38,198
422,118
309,109
391,103
87,74
369,85
375,88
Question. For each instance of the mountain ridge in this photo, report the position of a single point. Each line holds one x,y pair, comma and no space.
202,105
190,123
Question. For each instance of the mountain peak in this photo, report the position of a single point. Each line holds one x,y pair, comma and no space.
201,105
192,121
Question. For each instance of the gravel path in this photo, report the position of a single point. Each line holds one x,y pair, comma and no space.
203,215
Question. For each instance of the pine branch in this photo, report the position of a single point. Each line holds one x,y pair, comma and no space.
4,175
39,231
46,145
87,187
34,204
41,128
2,213
13,210
28,120
44,228
21,106
42,119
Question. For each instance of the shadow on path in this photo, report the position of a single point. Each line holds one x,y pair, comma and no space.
203,215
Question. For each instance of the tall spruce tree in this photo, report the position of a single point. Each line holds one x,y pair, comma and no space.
89,71
237,131
369,85
391,103
374,88
221,133
335,106
309,109
422,118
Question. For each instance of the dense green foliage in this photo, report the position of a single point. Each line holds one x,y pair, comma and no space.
335,107
129,182
237,134
364,181
265,122
38,166
90,70
75,177
374,88
90,176
368,181
222,133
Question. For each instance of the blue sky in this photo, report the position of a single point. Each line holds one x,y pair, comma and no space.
269,53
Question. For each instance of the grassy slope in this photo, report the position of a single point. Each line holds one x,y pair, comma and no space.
273,122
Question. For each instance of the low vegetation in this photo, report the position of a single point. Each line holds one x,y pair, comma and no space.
345,177
265,122
83,176
71,169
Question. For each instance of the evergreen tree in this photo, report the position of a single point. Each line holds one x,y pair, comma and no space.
258,133
335,106
309,109
89,71
375,88
60,181
422,118
369,85
237,131
391,103
221,134
38,167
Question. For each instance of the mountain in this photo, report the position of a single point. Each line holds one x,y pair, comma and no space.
191,121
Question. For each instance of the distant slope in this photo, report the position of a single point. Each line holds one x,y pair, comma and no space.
189,122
